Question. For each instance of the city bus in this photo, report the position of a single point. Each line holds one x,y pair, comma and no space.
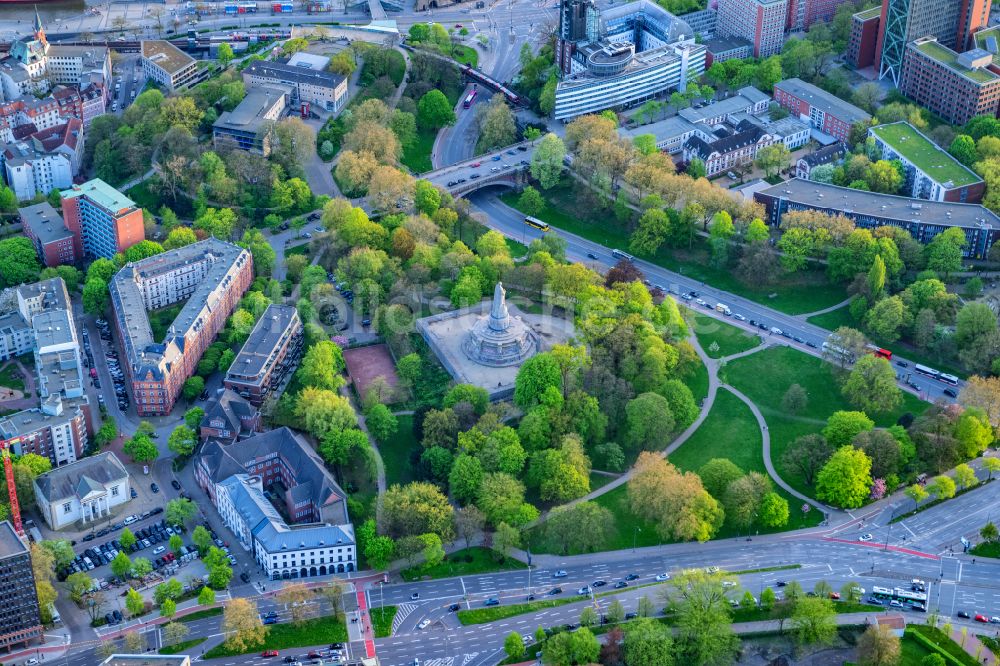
926,372
618,254
469,99
948,379
536,223
878,351
910,597
838,352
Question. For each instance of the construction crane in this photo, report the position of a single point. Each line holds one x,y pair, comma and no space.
15,507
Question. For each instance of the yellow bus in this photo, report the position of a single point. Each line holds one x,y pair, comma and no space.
536,223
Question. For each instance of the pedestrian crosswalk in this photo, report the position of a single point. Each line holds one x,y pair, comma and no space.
402,610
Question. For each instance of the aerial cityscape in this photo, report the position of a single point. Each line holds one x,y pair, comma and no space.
555,332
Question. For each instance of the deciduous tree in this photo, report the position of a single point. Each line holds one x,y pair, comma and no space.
242,623
845,480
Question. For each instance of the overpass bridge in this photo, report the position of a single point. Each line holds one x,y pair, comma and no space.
505,167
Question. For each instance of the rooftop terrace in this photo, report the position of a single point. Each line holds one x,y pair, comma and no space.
949,58
924,154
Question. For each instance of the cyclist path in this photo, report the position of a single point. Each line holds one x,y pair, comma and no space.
713,386
805,315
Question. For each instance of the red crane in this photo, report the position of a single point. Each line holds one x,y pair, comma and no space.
15,506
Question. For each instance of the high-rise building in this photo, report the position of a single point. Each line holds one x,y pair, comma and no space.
863,38
803,13
20,620
760,22
621,56
956,87
103,220
952,22
270,354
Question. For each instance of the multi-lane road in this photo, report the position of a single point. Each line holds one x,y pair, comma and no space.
511,223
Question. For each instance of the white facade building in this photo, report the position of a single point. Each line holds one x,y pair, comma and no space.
86,491
283,551
29,172
166,64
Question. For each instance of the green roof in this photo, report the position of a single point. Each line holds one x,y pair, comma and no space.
869,13
924,154
949,58
100,193
981,40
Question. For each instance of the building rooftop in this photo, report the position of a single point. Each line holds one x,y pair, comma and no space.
309,61
10,543
924,154
142,351
147,660
165,55
723,44
869,14
954,61
251,114
66,482
823,100
824,155
989,41
664,129
53,327
745,98
903,209
313,483
293,74
260,347
102,194
44,222
232,409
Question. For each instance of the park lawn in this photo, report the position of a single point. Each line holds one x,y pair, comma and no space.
11,377
798,293
731,431
382,620
183,646
465,55
764,377
418,155
465,562
517,249
729,339
912,651
599,480
396,453
834,319
698,383
286,636
842,317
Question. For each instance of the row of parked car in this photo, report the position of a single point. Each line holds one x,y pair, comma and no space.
97,556
114,368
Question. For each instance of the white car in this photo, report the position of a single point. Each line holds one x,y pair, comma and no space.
130,519
726,584
424,623
712,570
865,537
663,576
700,301
559,574
158,550
584,590
739,317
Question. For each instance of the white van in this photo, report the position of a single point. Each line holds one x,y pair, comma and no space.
723,308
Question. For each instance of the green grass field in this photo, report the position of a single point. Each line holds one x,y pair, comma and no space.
802,292
938,640
11,377
698,383
764,377
465,562
465,55
183,646
200,615
418,156
285,636
729,339
382,620
834,319
396,453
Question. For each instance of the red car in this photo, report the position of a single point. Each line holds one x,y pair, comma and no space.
269,653
835,596
981,618
476,165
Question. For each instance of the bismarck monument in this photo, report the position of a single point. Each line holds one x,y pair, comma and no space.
486,347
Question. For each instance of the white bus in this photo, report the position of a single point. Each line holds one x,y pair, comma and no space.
948,379
618,254
927,372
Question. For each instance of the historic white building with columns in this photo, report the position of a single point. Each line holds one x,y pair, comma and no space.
86,490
